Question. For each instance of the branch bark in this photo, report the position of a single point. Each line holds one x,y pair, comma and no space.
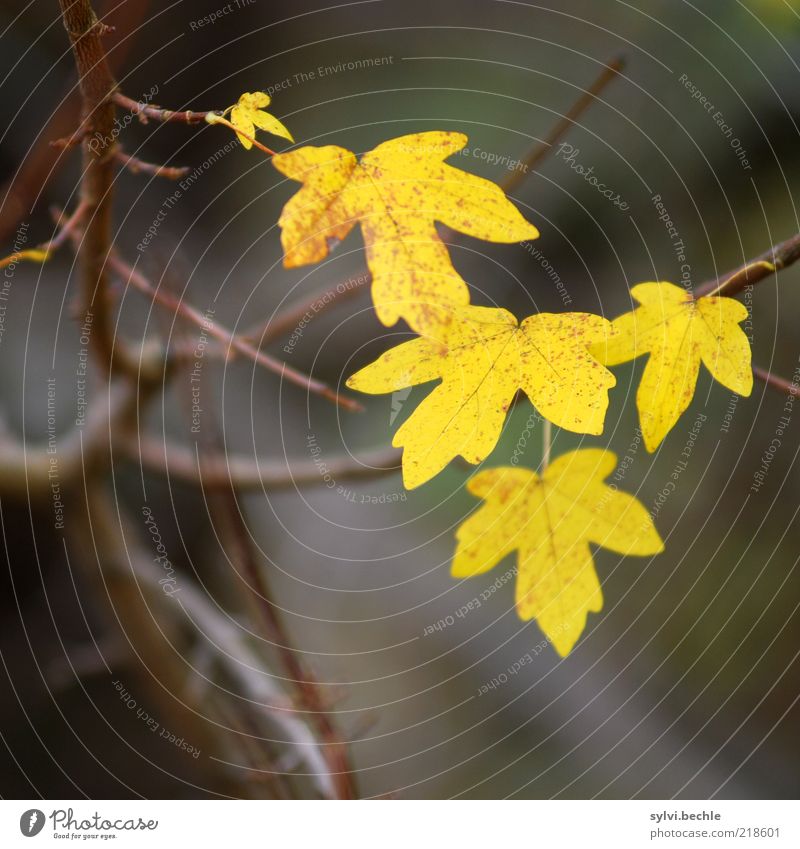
97,111
147,111
764,265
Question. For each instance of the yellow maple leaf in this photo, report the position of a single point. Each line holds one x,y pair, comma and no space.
249,113
483,357
550,521
396,192
678,333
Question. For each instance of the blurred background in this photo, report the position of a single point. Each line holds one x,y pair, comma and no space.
686,684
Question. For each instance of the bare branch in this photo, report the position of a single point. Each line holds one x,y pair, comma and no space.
25,470
232,652
540,151
784,386
137,166
96,85
222,334
149,111
42,251
243,473
771,261
289,318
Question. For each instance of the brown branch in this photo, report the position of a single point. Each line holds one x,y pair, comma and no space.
540,151
776,258
72,140
236,655
147,111
309,697
118,566
137,166
235,541
240,472
96,84
787,387
232,341
290,317
19,193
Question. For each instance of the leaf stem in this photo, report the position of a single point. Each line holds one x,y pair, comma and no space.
214,118
547,442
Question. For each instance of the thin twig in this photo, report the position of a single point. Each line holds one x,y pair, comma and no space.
42,251
147,111
137,166
290,317
222,334
72,140
308,692
786,387
541,150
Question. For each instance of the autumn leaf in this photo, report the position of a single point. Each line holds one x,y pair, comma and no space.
483,357
396,192
678,333
249,113
550,520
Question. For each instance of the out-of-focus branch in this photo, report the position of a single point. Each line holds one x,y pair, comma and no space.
230,340
18,195
232,652
42,251
102,540
290,317
27,472
784,386
137,166
540,151
241,554
240,472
